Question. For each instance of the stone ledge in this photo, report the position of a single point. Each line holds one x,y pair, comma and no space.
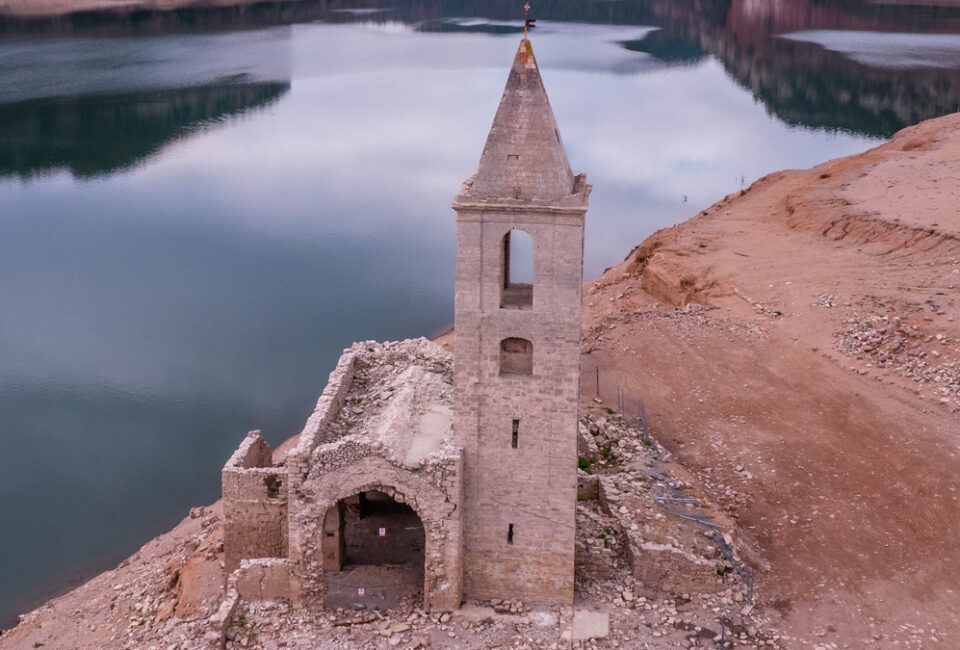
262,579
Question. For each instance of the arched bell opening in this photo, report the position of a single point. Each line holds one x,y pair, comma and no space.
517,258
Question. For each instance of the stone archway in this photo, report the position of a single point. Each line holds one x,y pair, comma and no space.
374,550
316,507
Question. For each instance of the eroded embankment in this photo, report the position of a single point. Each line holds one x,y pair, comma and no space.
816,370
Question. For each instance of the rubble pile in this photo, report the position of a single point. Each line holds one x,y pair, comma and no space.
667,533
641,549
889,342
162,597
651,571
684,322
382,371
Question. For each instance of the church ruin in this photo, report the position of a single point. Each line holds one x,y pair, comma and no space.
454,476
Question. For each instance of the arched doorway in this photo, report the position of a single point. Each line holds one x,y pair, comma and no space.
373,553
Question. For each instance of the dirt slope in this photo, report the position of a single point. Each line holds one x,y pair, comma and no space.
816,373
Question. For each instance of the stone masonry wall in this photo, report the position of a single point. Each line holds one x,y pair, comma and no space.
262,579
324,470
318,424
532,487
254,504
298,460
433,492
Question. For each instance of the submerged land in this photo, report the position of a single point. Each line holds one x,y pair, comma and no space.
797,350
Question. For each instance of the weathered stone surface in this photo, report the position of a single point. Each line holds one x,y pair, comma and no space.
218,624
254,504
590,625
392,434
523,158
516,417
586,444
588,487
263,579
382,424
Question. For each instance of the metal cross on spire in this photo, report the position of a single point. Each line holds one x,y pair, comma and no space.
528,22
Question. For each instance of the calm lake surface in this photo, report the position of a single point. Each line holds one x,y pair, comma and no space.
200,210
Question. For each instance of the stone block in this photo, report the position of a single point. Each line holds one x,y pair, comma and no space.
263,579
588,487
590,625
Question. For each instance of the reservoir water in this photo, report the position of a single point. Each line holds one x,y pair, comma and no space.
200,210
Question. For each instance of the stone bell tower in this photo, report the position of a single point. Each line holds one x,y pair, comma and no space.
517,360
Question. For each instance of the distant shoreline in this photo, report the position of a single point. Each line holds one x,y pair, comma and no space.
32,9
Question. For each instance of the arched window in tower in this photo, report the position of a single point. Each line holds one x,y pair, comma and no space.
517,290
516,357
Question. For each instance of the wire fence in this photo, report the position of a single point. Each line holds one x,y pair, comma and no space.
633,412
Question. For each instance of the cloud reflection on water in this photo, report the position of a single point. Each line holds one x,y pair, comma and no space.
363,156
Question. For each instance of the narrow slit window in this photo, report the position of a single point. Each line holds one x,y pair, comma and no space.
510,534
513,156
516,434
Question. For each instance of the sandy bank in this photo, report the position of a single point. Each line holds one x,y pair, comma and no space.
813,381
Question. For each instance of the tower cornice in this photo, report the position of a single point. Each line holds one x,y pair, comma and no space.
515,209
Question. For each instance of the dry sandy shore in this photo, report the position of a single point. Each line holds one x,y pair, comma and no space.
820,377
798,349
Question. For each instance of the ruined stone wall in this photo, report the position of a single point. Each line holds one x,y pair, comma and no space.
324,470
254,504
317,428
255,494
299,459
534,486
262,579
656,559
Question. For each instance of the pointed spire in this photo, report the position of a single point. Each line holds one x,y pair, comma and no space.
523,158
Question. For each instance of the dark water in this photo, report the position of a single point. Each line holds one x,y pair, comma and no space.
199,210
